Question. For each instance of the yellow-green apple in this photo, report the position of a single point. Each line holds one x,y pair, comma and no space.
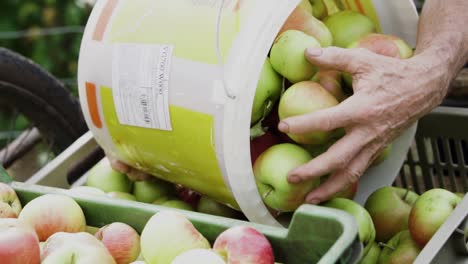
347,26
104,177
383,155
287,55
76,248
210,206
10,205
121,240
178,204
168,234
318,9
303,98
268,91
149,191
271,175
302,19
243,244
91,230
363,219
429,212
386,45
401,249
389,208
331,81
18,243
52,213
199,256
372,255
87,190
122,195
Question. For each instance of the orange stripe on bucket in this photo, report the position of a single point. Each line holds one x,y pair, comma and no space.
91,96
104,20
360,7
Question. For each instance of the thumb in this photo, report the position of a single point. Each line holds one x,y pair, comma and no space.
347,60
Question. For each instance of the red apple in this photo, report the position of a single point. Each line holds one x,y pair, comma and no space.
429,212
244,245
52,213
385,45
189,196
18,243
331,80
121,240
389,208
10,205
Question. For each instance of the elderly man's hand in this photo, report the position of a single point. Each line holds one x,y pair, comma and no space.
389,96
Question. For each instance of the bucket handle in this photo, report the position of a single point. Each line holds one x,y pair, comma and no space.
229,94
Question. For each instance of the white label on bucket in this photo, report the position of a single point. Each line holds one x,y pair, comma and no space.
140,80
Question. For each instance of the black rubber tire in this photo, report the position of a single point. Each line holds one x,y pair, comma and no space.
41,98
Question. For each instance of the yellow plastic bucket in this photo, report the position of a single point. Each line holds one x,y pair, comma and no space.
168,85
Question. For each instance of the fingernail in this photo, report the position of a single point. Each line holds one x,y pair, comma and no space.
314,52
313,201
284,127
294,179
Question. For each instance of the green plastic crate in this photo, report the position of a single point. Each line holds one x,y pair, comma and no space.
315,234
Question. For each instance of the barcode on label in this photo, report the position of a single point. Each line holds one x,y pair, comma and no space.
140,80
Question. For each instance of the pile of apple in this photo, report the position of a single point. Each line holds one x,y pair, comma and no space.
395,224
290,85
103,180
52,229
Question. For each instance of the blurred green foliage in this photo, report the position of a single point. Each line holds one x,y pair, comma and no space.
57,53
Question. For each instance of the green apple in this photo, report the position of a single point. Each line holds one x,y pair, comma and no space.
210,206
104,177
303,98
386,45
122,195
363,219
347,26
302,19
91,230
149,191
10,205
389,208
162,200
429,212
77,248
372,255
178,204
287,55
271,172
168,234
267,93
401,249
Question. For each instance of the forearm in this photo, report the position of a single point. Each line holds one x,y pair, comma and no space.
443,35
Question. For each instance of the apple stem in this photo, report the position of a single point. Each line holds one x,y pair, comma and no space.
257,131
406,194
381,244
268,193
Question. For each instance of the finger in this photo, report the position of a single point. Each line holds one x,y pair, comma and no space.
335,158
137,175
341,115
342,178
347,60
118,165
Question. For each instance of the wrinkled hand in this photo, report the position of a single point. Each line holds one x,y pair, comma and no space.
132,173
389,96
